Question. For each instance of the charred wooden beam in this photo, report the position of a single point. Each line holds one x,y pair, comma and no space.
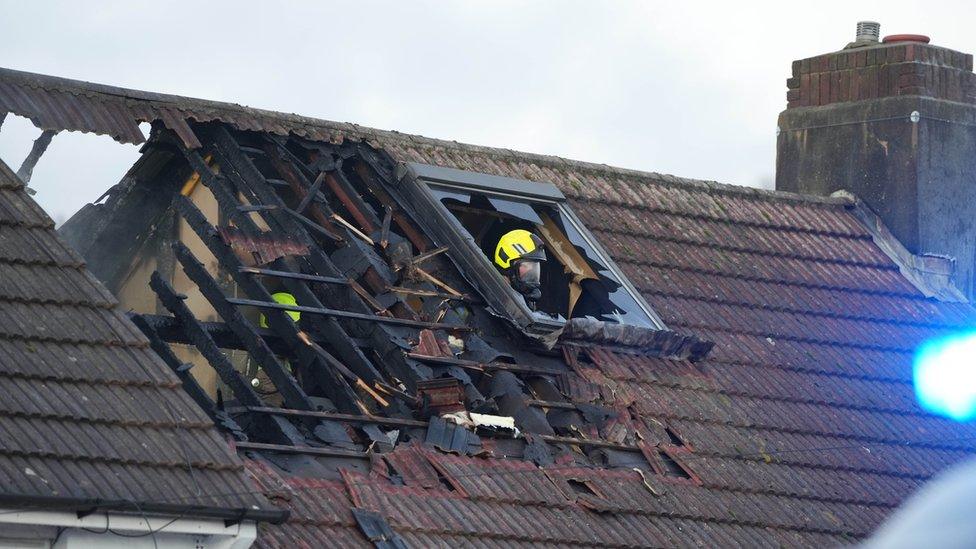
318,228
286,384
343,190
351,418
190,384
277,430
384,343
427,293
303,450
255,208
346,314
352,228
332,332
296,276
311,193
37,150
171,330
398,422
200,339
403,222
551,404
289,168
427,255
385,229
483,366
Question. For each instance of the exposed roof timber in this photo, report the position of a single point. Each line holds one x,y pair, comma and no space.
931,274
37,149
172,330
398,422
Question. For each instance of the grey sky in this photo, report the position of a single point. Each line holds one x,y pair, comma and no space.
690,88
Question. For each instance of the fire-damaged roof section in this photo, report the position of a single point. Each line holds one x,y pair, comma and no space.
92,420
799,428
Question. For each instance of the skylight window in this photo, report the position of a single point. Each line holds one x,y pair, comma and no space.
471,212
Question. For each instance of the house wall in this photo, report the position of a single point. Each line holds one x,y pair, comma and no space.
136,295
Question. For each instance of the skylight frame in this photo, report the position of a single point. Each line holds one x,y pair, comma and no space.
419,183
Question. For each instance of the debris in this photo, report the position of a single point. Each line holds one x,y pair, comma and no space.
494,424
451,438
352,229
644,480
441,396
437,282
260,250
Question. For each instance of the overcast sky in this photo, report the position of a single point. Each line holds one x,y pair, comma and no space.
692,89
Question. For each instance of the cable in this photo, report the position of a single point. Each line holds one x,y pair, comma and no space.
149,524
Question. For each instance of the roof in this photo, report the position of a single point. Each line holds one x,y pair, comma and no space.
800,428
803,421
92,420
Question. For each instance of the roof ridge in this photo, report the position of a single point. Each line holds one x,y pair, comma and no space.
82,87
723,220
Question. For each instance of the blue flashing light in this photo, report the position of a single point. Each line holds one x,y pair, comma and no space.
945,376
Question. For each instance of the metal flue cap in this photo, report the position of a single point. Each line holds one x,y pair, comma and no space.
868,31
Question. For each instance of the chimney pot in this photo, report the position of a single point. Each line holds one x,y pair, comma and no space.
868,31
906,38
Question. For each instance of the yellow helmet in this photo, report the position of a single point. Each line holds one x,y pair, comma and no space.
284,298
518,244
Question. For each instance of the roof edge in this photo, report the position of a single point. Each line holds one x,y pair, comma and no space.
91,505
162,106
930,274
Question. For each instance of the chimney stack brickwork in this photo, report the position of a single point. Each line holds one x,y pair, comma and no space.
895,124
884,70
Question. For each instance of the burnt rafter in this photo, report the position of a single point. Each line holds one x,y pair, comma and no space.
190,385
332,331
246,333
279,431
346,314
338,302
384,341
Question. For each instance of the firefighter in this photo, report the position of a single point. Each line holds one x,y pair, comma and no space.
284,298
519,256
259,378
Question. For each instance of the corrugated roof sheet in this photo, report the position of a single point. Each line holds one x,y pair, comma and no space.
90,417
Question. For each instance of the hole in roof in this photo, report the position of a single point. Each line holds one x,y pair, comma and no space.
444,481
75,169
395,477
673,437
17,134
671,467
576,280
581,487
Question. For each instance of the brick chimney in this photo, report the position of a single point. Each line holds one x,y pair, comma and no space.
894,122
